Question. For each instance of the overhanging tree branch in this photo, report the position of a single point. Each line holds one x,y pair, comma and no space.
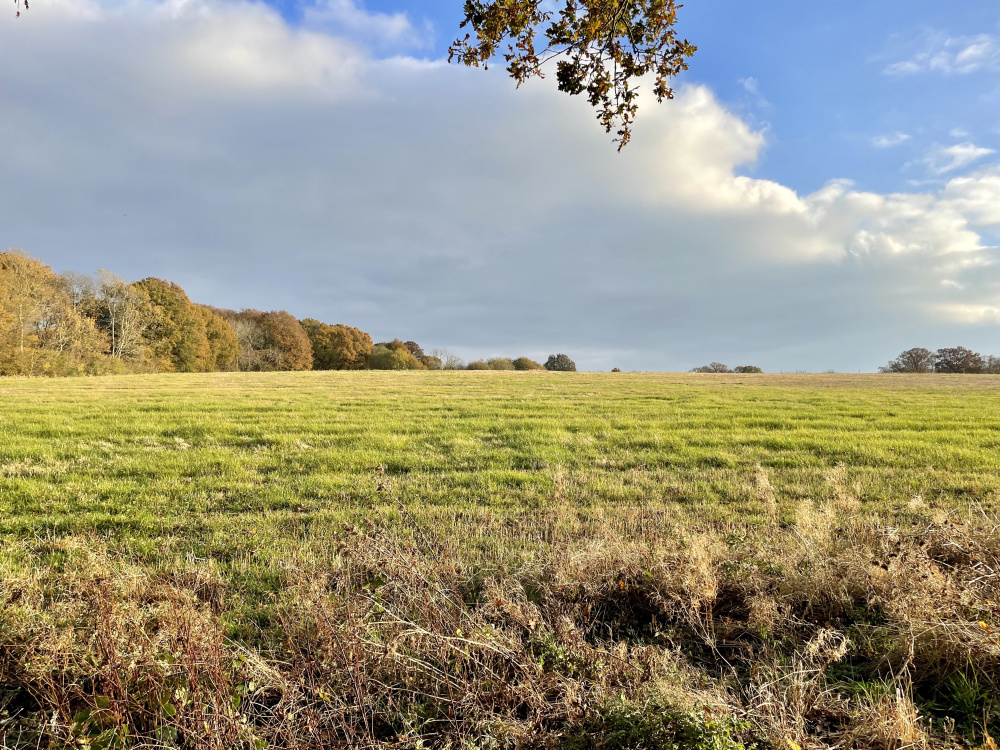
605,45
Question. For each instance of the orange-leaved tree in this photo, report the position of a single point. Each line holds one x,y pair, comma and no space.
337,347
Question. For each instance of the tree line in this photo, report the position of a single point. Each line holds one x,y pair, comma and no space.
76,324
955,359
718,367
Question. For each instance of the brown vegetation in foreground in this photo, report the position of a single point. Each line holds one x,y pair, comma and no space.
629,632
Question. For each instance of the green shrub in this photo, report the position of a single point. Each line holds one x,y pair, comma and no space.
628,725
382,358
523,363
500,363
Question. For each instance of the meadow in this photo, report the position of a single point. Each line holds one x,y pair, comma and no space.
491,559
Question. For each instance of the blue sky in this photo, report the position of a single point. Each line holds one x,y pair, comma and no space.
824,192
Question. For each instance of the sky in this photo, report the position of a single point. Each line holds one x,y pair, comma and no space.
822,193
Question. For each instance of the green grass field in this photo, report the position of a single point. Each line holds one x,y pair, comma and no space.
144,457
260,484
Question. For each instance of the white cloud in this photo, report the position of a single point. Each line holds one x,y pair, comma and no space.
942,159
890,140
259,164
345,16
976,197
950,56
971,314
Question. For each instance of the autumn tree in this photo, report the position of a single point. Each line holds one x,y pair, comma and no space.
337,347
398,345
560,363
429,361
286,343
41,331
250,337
223,344
601,48
176,336
124,311
414,348
398,358
912,360
82,291
432,362
958,360
25,288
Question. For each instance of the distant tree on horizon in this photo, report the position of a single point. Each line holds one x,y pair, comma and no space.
912,360
270,341
286,341
124,311
500,363
958,360
432,362
337,347
449,361
176,338
560,363
429,361
399,358
523,363
72,323
42,331
223,344
716,367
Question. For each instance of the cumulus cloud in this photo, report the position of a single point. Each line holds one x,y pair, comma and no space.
950,56
263,165
977,197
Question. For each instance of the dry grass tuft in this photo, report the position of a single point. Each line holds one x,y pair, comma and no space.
823,634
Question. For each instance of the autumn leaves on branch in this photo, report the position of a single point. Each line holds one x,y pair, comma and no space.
601,48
